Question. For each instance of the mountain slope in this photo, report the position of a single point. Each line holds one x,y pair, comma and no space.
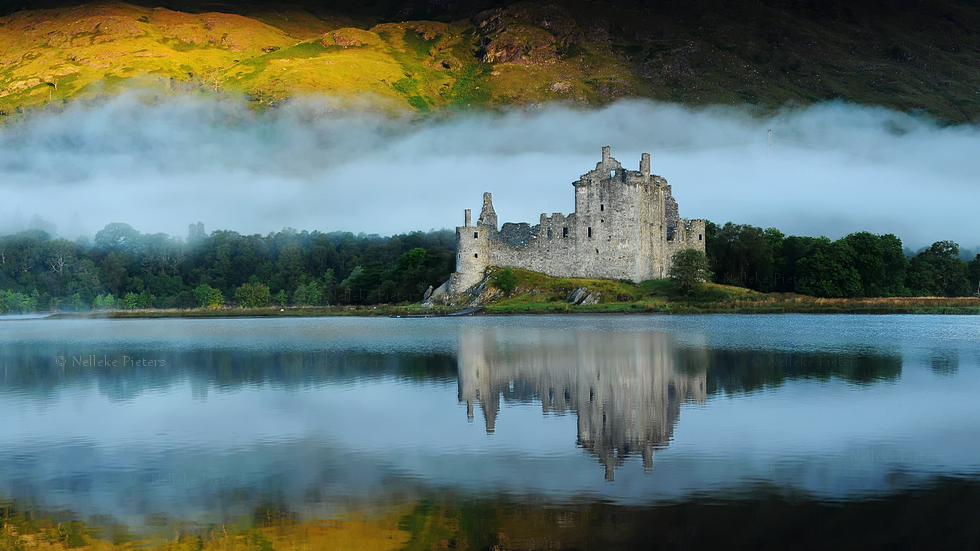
921,56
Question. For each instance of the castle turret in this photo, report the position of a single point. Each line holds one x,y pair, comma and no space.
472,252
488,218
645,165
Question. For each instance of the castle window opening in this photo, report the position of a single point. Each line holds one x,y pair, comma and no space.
564,232
700,237
549,233
597,251
602,207
590,231
476,255
612,173
476,234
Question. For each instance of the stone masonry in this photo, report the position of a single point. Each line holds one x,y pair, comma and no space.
625,226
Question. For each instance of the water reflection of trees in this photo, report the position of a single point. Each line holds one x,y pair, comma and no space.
35,370
733,370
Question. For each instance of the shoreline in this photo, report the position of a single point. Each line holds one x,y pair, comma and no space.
894,306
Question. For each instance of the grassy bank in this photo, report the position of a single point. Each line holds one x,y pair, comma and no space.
380,310
536,293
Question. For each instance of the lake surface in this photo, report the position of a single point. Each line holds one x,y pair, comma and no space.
515,432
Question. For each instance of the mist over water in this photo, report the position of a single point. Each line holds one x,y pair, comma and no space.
317,164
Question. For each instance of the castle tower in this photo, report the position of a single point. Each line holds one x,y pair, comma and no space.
472,250
488,218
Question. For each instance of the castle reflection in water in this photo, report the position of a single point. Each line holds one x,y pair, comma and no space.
624,388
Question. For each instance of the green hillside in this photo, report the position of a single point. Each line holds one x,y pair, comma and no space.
920,56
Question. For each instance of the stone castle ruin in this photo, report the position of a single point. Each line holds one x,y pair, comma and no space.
625,226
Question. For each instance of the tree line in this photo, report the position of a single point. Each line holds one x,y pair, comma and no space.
125,269
858,265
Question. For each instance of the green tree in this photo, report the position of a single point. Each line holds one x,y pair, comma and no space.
130,301
208,297
118,237
308,293
252,295
973,273
938,271
880,263
829,271
742,255
689,268
504,279
114,272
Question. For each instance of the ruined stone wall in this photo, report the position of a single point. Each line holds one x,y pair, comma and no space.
517,234
688,235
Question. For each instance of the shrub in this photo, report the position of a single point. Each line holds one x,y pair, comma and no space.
208,297
688,269
504,279
252,295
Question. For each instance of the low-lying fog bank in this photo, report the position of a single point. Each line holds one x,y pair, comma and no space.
833,169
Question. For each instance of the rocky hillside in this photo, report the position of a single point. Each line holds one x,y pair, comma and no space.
919,56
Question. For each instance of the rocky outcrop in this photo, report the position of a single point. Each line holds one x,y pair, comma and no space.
526,34
583,296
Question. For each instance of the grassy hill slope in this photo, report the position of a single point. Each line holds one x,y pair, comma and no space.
922,56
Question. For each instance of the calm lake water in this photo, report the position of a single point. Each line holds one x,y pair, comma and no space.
514,432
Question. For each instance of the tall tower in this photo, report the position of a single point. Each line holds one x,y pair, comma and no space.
472,250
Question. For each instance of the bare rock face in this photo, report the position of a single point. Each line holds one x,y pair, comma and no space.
526,34
350,38
561,87
477,295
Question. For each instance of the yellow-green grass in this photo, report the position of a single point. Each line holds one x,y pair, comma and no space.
921,59
269,529
53,56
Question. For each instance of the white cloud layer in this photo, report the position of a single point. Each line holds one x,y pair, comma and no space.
159,166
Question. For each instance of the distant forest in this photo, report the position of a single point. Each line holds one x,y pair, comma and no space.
126,269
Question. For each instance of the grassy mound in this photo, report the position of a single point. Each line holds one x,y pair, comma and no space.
538,293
